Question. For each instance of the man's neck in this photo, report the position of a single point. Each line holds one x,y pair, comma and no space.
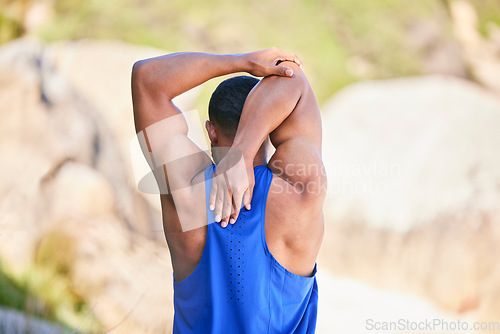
261,158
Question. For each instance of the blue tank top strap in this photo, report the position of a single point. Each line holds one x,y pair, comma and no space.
209,175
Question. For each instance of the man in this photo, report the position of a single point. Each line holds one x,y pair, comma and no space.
248,270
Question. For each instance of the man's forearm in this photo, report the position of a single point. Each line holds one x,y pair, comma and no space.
267,105
271,102
173,74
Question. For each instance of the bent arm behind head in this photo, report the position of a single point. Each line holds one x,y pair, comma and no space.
286,110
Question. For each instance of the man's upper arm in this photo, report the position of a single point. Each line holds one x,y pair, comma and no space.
164,130
297,140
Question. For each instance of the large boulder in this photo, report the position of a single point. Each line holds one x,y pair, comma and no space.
414,189
125,279
100,71
67,199
44,124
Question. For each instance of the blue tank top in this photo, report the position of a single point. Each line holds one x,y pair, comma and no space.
238,286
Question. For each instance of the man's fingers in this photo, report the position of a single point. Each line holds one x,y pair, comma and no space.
284,71
294,58
223,222
226,209
288,56
247,198
237,203
219,202
213,195
234,215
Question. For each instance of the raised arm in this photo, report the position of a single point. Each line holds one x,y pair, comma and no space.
286,110
160,124
155,82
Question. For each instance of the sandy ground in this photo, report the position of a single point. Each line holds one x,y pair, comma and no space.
351,307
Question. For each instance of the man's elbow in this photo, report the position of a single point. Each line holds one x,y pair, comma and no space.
138,66
140,73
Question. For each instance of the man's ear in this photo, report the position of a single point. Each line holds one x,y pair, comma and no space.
212,132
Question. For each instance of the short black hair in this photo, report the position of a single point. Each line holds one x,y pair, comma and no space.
226,103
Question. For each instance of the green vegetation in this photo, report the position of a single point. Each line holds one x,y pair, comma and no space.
16,293
12,294
11,18
488,12
340,41
44,290
325,34
50,279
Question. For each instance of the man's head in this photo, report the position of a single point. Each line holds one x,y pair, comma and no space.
225,107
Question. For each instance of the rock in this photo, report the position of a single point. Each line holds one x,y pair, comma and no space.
439,52
78,191
63,172
48,108
100,71
42,126
127,280
414,189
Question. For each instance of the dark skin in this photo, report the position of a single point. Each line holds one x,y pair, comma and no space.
282,107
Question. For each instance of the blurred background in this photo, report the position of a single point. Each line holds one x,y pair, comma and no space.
410,97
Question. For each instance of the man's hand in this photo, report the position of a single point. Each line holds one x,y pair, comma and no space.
232,187
267,62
